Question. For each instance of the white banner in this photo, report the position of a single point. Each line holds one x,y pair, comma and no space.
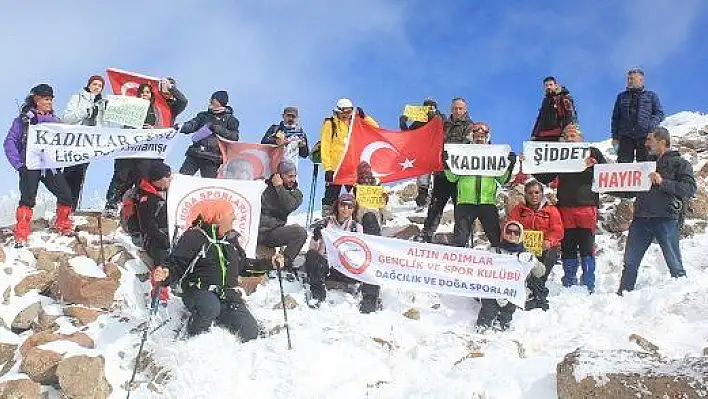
622,177
478,159
55,145
551,157
126,110
416,266
188,195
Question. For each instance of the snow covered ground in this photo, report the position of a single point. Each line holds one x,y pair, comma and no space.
339,353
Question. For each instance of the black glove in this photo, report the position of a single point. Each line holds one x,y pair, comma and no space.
512,157
317,233
232,296
329,176
176,127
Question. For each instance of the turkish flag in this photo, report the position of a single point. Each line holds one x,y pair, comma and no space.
246,161
126,83
392,155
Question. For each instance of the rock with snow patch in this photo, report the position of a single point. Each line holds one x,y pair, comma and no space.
412,313
46,337
82,314
40,281
290,303
45,321
7,354
19,389
83,377
697,207
408,193
75,288
40,365
108,226
703,172
110,252
629,374
49,260
401,232
23,321
250,284
618,218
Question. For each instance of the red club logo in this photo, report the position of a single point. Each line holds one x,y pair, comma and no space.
354,254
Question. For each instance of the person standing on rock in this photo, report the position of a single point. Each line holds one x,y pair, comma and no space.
557,111
477,197
288,133
657,211
422,182
457,129
637,111
537,214
37,108
207,261
333,137
84,108
578,205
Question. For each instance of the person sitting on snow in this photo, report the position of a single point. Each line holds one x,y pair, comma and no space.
206,262
38,108
316,266
501,309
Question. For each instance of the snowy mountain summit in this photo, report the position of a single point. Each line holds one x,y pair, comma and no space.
70,324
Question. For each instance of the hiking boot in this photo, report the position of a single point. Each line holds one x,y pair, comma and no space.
62,223
422,198
22,228
319,292
369,304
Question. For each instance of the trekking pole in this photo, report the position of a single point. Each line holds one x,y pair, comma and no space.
277,259
313,190
100,242
153,310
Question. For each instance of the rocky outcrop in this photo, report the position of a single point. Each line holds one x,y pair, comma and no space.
697,207
19,389
46,337
82,314
23,321
629,374
83,377
7,355
40,365
41,281
88,291
49,260
618,217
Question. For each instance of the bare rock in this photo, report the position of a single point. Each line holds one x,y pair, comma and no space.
686,231
412,313
619,217
49,260
109,252
46,337
447,217
250,284
40,365
442,238
82,314
108,226
693,141
697,207
408,193
417,219
23,321
40,281
84,290
39,224
20,389
703,172
290,303
700,226
45,321
7,353
401,232
83,377
2,255
629,374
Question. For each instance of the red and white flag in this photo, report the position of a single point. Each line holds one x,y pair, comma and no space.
126,83
392,155
246,161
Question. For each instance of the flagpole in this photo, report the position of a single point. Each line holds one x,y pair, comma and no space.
346,143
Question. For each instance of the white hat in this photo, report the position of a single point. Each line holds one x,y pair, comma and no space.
344,103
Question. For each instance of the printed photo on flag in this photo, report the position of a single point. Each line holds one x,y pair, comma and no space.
247,161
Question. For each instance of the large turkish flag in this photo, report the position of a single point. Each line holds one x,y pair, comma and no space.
392,155
126,83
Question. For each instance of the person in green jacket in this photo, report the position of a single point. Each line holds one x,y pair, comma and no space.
477,197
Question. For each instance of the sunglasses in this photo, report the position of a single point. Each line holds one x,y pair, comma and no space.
513,232
345,110
291,115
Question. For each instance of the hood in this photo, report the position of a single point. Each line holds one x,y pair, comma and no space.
227,111
149,188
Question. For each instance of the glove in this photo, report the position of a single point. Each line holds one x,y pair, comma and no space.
232,296
176,127
512,156
329,176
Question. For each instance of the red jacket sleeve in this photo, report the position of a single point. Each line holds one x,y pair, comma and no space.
515,214
555,233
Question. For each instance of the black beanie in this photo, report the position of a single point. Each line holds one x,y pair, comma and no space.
221,96
42,90
158,170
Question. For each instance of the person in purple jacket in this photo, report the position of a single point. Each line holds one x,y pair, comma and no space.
38,108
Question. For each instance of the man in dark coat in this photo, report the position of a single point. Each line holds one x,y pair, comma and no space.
279,200
657,211
557,111
152,212
288,131
637,111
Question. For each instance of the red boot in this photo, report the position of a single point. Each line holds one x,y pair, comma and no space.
62,222
22,229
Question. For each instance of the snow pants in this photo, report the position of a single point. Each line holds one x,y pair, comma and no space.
54,182
466,214
206,308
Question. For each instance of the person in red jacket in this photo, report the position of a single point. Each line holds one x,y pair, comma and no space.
537,214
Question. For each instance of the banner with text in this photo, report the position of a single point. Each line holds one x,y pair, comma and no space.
416,266
533,241
56,145
370,197
623,177
125,110
416,113
550,157
189,195
478,159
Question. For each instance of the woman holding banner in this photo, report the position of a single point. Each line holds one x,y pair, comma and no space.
84,108
578,205
541,219
38,108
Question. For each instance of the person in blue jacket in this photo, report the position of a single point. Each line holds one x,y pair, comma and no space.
637,112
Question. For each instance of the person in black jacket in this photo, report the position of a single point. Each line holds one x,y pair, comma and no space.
637,111
279,200
288,133
657,211
557,111
204,154
422,182
206,263
577,204
128,172
152,212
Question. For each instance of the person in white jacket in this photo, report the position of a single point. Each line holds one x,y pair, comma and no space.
84,108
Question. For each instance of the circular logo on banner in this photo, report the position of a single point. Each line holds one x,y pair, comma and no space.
194,202
354,254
